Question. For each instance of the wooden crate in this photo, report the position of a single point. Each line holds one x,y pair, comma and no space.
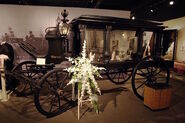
157,97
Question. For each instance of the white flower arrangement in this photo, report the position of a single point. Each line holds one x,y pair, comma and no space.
83,73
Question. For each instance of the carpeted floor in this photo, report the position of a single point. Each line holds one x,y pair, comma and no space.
118,104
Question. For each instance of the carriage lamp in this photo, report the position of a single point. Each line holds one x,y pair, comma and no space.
63,26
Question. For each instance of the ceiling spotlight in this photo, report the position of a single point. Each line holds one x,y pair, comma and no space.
171,2
133,17
151,10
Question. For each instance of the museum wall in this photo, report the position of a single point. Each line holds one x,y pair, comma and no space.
27,24
180,46
23,19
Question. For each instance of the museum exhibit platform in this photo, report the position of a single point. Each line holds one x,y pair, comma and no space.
157,96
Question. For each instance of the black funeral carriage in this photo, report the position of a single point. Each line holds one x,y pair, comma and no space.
127,48
136,49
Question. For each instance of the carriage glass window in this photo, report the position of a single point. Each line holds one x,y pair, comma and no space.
122,44
168,44
148,43
95,42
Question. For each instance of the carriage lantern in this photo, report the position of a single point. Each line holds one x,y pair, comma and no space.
63,26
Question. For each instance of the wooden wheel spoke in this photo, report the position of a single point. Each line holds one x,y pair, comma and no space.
114,76
53,102
153,69
27,68
51,107
58,100
140,78
148,70
45,100
112,72
142,73
62,85
33,75
118,77
57,79
158,72
65,99
51,85
49,97
25,85
161,77
123,75
141,84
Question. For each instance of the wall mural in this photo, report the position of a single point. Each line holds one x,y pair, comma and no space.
183,47
23,27
25,48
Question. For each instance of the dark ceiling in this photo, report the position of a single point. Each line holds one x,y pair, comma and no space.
141,9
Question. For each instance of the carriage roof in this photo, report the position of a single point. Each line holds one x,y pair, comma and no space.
96,21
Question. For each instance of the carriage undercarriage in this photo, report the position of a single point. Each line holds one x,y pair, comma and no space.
53,96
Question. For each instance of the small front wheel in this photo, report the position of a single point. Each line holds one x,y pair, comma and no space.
24,88
118,72
53,96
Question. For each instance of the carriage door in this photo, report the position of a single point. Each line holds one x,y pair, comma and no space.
169,44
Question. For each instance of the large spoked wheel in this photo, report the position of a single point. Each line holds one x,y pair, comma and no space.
24,88
150,70
118,72
53,96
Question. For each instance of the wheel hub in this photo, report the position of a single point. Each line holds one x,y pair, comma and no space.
59,92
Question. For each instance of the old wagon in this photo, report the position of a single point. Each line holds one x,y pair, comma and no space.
125,47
